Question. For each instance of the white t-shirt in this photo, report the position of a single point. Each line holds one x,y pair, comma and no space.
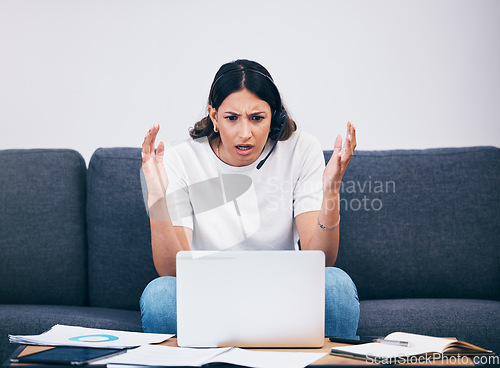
242,208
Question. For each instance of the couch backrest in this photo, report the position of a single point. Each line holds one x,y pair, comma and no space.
42,227
415,223
422,223
119,240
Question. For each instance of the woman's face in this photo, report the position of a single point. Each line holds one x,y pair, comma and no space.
244,122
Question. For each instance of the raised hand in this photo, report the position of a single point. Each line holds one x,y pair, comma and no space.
153,167
337,164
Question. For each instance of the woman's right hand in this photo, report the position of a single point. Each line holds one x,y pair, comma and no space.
153,167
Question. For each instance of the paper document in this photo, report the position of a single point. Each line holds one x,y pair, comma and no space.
167,356
62,335
157,355
268,359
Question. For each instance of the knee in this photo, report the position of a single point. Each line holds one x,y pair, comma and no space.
340,288
161,288
158,306
341,303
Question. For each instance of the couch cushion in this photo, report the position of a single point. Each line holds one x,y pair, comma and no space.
474,321
120,257
42,233
422,223
35,319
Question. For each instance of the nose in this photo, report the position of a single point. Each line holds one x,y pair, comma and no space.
245,129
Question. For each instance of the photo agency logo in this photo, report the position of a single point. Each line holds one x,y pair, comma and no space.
366,195
355,195
437,359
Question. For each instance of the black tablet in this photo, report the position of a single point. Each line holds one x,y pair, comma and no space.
68,355
354,339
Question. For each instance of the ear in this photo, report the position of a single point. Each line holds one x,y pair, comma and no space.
212,112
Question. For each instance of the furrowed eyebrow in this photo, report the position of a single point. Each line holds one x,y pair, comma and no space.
253,113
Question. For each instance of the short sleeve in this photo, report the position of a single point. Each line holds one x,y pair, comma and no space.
178,201
308,191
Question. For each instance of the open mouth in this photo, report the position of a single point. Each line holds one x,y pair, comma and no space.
244,147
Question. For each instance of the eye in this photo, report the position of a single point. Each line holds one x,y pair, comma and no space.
231,117
257,118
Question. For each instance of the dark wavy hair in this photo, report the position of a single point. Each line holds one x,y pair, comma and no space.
235,76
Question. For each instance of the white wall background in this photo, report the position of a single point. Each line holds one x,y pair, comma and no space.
409,73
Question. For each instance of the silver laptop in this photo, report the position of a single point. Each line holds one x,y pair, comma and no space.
250,298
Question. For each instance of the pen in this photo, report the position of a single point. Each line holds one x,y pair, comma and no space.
393,342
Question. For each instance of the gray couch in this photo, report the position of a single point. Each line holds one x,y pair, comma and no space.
419,237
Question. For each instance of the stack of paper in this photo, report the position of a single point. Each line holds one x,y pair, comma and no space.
62,335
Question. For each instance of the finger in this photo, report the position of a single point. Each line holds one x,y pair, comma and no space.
353,135
160,151
348,134
161,148
146,143
346,152
154,132
338,143
157,130
337,147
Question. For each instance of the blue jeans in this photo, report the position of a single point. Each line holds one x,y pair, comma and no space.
159,313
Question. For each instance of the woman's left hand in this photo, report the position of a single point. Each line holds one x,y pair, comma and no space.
334,171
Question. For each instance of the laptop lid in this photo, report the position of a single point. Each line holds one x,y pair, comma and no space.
250,298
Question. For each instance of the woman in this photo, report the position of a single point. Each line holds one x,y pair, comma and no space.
215,192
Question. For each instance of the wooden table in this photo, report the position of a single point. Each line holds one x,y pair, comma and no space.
327,360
